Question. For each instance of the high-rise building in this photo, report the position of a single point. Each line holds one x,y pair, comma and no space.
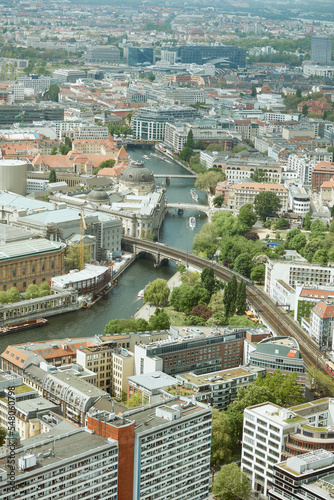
107,53
321,49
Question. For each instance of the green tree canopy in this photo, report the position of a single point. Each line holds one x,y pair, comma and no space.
3,434
157,292
258,273
246,215
53,92
267,204
160,320
31,292
231,483
72,256
209,180
190,140
54,151
285,388
44,289
240,301
186,153
13,295
221,441
243,264
230,295
208,279
307,221
52,175
259,176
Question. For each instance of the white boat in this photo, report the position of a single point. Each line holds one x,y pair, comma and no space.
140,294
192,222
193,194
146,157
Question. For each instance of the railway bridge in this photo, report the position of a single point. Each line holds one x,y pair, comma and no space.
278,320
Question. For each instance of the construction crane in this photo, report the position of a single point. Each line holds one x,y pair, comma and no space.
83,228
21,115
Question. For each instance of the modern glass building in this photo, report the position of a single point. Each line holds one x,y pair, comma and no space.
137,56
321,49
201,54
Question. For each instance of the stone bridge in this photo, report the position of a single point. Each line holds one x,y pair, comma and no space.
190,206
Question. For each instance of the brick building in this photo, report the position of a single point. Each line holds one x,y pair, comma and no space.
322,172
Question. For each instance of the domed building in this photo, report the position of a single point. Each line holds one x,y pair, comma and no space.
98,196
138,178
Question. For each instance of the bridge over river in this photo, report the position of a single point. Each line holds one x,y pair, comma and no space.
190,206
276,319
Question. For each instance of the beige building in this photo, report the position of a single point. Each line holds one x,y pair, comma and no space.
238,195
327,192
238,169
122,367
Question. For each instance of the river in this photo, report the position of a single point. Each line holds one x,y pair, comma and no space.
122,301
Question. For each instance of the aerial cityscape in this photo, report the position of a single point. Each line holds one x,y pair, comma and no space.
166,250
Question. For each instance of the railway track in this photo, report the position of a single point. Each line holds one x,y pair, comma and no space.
278,320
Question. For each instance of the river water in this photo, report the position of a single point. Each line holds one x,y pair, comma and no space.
122,301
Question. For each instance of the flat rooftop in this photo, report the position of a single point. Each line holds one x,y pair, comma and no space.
25,248
66,447
218,377
146,419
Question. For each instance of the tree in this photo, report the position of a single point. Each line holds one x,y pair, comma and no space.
151,77
299,93
247,396
282,223
307,221
3,434
231,483
305,110
246,215
243,264
13,295
54,151
258,273
191,277
190,140
208,279
106,164
52,176
202,311
230,295
285,388
240,301
68,142
254,91
259,176
157,292
53,92
218,201
160,320
252,235
320,257
199,145
221,440
267,204
72,256
3,298
63,150
31,292
120,326
186,153
44,289
209,180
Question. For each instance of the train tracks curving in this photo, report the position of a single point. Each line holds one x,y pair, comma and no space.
278,320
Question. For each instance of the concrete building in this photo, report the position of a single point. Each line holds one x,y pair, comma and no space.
150,385
149,124
35,82
272,433
86,471
321,49
69,75
279,353
299,200
105,53
138,56
220,388
30,262
207,131
296,272
304,476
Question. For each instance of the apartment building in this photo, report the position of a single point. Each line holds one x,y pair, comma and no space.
207,131
247,129
52,467
245,192
321,324
322,172
279,353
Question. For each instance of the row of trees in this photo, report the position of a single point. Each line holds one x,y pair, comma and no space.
159,321
33,291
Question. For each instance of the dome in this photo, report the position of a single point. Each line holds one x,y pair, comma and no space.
98,195
136,173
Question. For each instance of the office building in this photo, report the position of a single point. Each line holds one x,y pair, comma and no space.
321,324
279,353
35,82
201,353
305,476
57,467
244,192
138,56
322,172
10,113
237,169
149,124
105,53
272,433
201,54
321,49
69,75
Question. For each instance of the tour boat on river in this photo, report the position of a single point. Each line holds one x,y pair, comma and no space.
192,222
193,194
23,325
